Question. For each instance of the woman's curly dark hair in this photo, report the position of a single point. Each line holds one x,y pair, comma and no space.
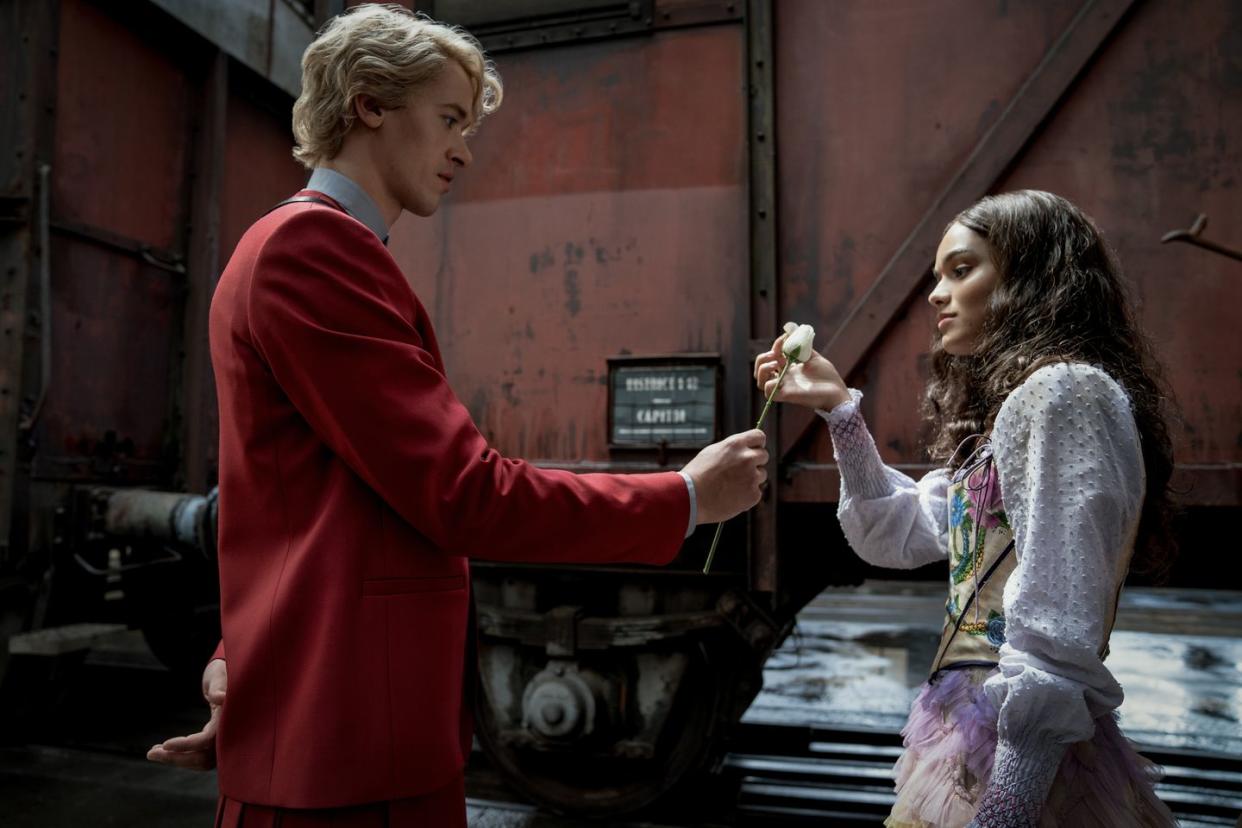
1060,299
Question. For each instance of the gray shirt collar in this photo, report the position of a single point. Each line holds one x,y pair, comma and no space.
342,189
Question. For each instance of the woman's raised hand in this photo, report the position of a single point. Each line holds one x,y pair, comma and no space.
813,384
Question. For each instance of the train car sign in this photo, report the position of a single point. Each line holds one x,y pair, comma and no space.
663,402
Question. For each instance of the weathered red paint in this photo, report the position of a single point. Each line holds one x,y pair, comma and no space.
606,210
605,213
890,97
121,130
119,165
259,168
112,348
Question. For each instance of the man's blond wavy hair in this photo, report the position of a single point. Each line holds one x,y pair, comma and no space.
383,51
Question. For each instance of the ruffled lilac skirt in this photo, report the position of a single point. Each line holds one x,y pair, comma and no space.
950,741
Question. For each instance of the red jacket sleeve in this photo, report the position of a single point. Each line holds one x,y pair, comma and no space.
334,319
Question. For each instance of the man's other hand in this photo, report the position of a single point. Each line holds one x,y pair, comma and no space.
198,750
728,476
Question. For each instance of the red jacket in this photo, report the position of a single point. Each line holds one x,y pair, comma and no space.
353,488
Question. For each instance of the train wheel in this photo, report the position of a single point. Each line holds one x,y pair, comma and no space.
607,777
177,607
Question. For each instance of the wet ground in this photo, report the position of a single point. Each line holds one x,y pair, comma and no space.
859,656
856,662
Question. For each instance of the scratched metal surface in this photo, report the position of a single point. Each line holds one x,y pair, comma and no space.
879,104
604,214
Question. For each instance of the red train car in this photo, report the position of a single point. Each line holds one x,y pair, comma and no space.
667,182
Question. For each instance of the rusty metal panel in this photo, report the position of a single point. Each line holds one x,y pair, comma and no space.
119,210
114,320
1138,140
259,169
121,153
605,213
1149,139
877,109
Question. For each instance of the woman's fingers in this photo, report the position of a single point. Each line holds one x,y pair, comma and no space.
760,361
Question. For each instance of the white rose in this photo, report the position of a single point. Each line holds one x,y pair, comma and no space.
799,344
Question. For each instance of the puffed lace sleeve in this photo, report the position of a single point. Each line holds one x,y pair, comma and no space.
1071,473
888,518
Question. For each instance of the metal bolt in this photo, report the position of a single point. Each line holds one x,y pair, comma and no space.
762,136
763,213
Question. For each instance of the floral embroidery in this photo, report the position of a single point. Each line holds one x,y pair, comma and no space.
957,510
996,629
983,492
979,535
964,563
993,629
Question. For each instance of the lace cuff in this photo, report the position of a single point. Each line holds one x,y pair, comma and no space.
863,476
1021,778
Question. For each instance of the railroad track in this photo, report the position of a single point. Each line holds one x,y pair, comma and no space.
795,775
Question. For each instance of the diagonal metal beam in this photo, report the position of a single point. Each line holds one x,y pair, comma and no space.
992,156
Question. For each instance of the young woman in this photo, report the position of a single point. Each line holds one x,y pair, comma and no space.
1044,404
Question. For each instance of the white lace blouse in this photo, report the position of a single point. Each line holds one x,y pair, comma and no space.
1071,475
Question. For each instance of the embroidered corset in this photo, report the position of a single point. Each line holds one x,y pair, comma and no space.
981,559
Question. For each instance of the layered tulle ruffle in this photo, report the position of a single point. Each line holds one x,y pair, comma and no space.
950,742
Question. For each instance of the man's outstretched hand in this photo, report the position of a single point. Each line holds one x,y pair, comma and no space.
728,476
198,750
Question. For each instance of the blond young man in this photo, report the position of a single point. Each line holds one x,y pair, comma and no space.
354,486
